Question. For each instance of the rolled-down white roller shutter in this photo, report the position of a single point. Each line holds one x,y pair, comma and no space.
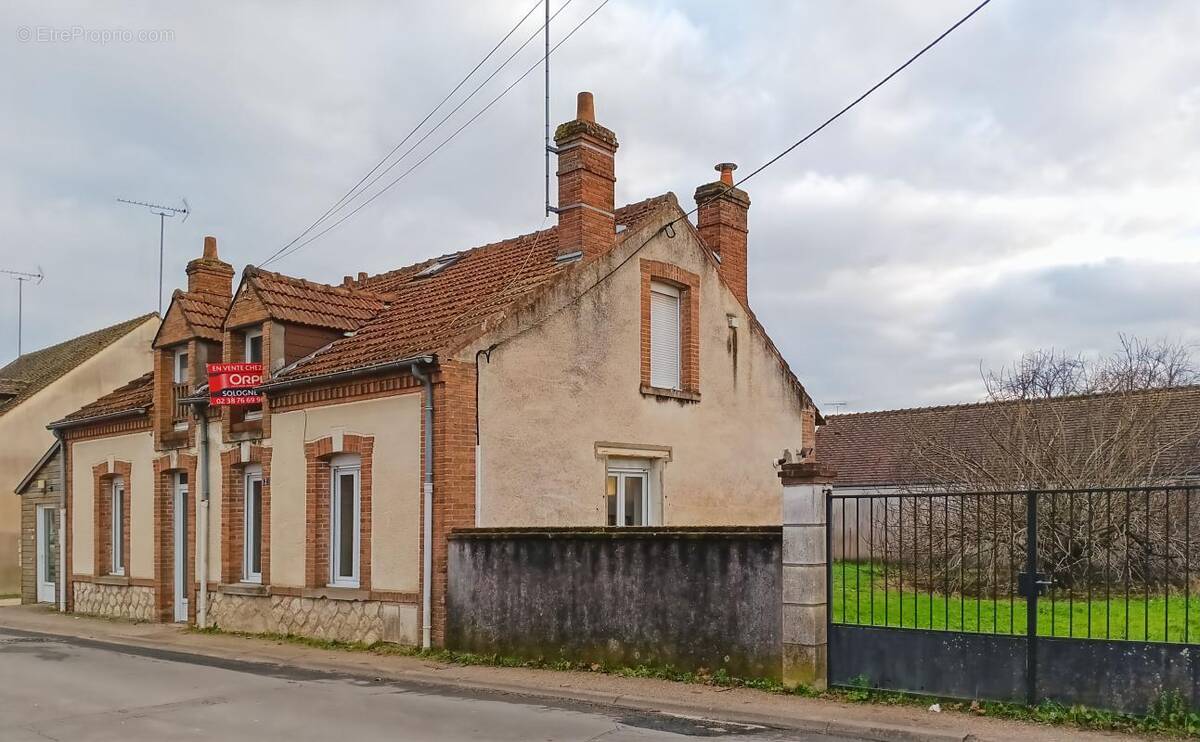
664,336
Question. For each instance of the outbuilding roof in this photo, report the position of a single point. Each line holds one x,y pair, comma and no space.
136,397
912,446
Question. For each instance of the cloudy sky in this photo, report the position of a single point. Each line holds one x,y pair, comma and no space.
1033,182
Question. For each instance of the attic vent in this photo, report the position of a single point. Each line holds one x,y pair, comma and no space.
439,265
568,257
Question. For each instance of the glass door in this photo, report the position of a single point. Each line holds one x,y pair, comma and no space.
628,497
47,553
181,550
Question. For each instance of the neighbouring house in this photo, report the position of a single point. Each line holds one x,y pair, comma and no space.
45,385
41,502
605,371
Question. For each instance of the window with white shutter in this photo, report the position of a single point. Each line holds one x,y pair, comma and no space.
664,336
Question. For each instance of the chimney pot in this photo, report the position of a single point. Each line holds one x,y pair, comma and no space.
362,276
585,107
726,169
210,248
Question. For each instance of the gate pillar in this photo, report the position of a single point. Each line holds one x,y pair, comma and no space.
805,573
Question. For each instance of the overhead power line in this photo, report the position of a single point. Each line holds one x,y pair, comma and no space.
359,188
669,226
442,144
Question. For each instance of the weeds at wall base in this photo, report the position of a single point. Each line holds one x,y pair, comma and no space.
1169,717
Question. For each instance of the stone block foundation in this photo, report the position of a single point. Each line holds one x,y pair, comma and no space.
366,621
132,602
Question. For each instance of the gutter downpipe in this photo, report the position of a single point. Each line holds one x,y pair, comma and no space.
202,530
427,494
62,520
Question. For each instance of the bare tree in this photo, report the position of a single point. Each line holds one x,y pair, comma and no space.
1068,426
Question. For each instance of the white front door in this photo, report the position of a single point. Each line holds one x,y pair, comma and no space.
47,553
181,560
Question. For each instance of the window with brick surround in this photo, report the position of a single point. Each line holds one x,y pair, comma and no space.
117,528
253,524
664,336
670,339
345,518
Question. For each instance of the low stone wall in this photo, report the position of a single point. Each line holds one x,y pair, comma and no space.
688,597
133,602
366,621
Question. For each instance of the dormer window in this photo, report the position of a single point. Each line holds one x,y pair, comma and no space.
254,346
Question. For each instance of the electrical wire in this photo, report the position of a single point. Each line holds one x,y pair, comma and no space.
351,194
683,217
443,143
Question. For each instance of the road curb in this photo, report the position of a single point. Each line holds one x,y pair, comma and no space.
871,731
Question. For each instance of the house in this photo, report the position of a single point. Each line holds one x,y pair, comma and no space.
605,371
45,385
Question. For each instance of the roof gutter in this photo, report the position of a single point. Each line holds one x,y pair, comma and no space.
64,424
403,364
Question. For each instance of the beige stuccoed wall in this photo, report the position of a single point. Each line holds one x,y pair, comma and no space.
395,422
23,428
550,395
138,450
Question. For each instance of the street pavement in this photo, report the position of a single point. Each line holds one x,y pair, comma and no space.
69,688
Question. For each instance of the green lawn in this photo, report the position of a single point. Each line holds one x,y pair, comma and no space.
858,590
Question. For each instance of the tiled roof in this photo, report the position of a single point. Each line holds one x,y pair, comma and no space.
907,447
34,371
427,314
303,302
204,312
137,394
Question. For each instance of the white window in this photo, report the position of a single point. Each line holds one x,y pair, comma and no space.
627,495
252,551
345,518
254,346
118,526
664,336
181,366
253,354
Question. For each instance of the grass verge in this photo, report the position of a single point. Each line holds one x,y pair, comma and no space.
1169,717
860,597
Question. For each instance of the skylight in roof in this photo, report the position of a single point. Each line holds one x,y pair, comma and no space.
439,265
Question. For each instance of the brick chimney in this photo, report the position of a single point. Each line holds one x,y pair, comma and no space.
586,179
721,222
208,274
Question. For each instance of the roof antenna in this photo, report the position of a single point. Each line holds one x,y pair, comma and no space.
162,212
549,149
21,277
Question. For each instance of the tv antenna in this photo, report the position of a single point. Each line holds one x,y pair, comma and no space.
163,213
837,407
21,277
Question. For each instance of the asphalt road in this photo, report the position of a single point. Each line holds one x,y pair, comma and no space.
60,688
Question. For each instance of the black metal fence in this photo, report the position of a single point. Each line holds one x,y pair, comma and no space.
1116,564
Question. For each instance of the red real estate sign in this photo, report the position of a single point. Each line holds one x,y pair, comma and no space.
234,383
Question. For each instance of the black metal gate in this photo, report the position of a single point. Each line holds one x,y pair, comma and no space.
1075,596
